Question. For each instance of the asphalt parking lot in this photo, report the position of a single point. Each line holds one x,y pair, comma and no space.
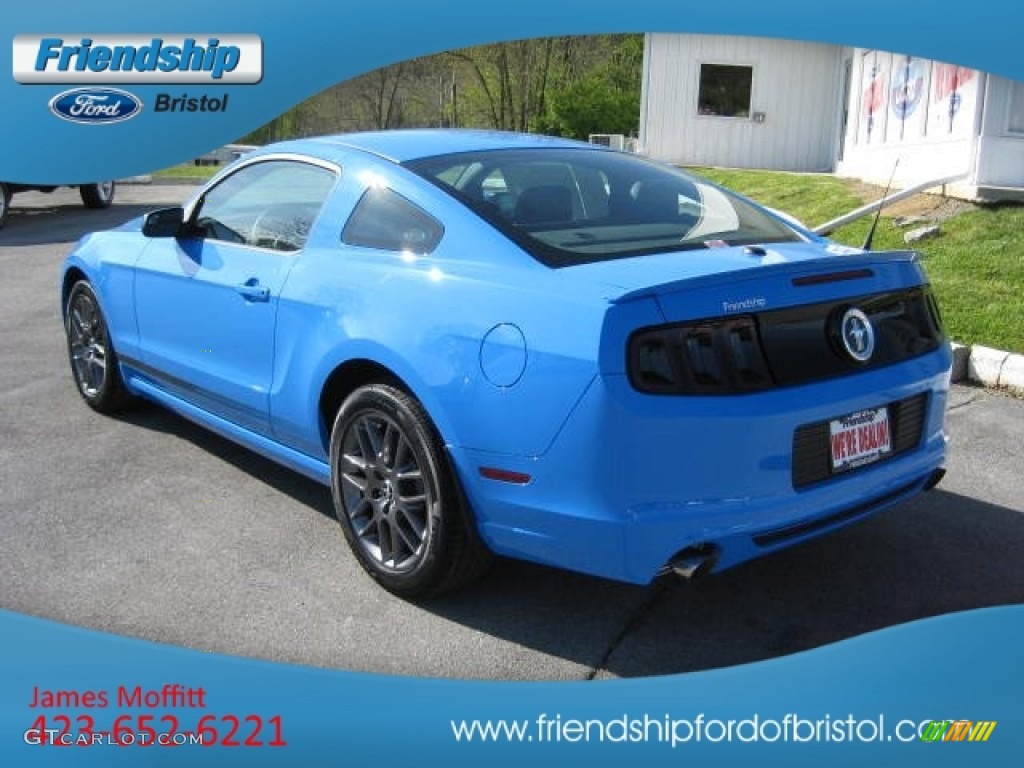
150,527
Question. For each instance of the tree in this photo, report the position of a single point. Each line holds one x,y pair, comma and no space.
604,99
505,82
570,85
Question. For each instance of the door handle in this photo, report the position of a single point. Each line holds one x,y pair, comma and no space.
253,291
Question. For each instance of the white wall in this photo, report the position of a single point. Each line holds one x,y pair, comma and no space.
1000,161
797,85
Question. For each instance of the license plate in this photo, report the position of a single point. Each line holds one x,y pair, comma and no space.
859,438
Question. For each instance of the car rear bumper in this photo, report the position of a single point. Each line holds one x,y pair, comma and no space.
633,480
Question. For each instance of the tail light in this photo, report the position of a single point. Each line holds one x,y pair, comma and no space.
780,347
711,357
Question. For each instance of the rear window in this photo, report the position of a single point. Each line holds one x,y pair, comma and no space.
573,206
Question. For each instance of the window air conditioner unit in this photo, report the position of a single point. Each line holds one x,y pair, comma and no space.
612,140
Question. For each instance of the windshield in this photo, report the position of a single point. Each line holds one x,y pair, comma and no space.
573,206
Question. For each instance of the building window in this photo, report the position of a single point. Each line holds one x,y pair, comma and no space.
1016,122
724,90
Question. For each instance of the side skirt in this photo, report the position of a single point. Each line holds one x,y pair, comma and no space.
299,462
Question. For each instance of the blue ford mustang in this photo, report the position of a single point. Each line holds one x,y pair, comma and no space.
497,343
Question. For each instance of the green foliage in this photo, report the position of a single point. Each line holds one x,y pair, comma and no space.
281,127
189,172
606,99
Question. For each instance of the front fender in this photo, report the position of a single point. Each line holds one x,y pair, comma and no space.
107,260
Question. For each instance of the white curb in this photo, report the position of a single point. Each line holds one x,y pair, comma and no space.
1012,375
989,367
985,365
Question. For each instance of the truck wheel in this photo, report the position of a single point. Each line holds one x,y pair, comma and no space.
5,202
97,195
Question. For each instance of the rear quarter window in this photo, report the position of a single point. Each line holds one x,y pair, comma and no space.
385,220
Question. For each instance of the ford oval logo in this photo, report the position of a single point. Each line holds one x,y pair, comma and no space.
95,105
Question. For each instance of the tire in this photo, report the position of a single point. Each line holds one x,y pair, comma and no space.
93,362
5,202
397,499
98,195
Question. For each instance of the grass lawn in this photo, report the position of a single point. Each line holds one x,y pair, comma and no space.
976,264
189,171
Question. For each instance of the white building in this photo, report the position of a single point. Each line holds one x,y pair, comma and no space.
749,102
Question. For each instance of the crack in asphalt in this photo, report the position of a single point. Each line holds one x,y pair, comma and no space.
634,619
971,401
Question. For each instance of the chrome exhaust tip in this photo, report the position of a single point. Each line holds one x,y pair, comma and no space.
693,562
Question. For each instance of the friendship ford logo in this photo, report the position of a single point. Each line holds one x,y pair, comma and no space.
857,334
109,59
95,105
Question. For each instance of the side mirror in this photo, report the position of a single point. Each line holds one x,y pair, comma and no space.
166,222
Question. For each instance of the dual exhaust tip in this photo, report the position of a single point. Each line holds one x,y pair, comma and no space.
693,562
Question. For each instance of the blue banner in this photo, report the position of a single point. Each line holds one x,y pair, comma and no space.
78,697
306,46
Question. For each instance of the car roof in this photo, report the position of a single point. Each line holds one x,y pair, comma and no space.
401,145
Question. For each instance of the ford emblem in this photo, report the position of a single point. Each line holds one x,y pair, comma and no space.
95,105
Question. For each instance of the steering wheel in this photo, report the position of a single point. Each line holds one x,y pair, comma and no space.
266,232
283,228
218,230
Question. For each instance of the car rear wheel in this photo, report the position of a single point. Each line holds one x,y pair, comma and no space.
5,202
397,498
93,362
98,195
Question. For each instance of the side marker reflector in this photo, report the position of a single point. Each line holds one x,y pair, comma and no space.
505,475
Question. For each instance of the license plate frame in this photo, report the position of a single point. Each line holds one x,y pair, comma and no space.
859,439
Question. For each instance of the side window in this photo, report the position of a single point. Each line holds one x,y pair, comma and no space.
385,220
270,204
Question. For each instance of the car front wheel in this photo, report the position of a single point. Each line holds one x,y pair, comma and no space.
93,362
98,195
397,498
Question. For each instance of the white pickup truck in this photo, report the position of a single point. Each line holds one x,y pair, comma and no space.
99,195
